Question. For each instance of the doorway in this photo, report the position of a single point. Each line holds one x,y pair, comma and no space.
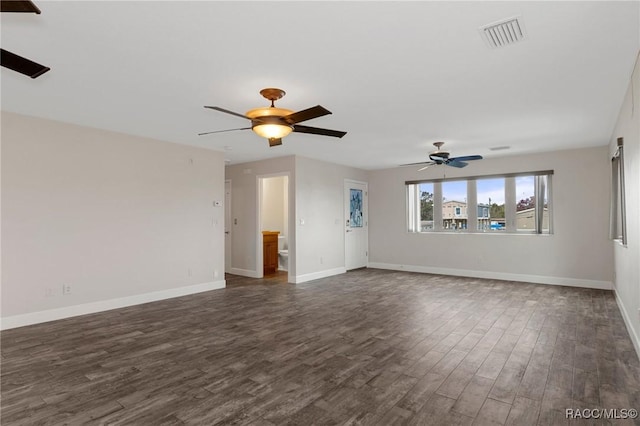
227,226
273,225
356,220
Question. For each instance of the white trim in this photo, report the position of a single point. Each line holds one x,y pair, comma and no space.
537,279
105,305
229,226
246,273
633,334
317,275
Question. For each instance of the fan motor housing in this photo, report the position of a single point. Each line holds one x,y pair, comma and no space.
442,155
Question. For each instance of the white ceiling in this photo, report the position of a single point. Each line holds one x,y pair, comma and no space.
396,75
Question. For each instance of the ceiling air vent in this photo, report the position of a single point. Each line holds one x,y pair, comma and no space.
503,33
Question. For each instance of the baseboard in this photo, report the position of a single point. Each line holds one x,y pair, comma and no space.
633,334
245,273
537,279
105,305
317,275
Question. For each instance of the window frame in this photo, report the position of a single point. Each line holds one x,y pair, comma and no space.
618,213
543,184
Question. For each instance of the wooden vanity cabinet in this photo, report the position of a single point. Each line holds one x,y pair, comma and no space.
270,252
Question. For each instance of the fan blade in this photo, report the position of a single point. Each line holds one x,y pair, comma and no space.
21,65
306,114
275,141
20,6
467,158
222,131
430,163
424,168
227,111
318,131
454,163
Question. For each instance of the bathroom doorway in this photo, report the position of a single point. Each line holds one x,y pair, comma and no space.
273,225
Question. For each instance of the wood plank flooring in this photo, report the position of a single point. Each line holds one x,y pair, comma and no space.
367,347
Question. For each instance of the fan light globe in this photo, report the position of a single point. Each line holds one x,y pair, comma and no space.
275,131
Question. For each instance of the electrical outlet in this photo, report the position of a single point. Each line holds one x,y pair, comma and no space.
66,289
50,292
189,272
321,260
216,273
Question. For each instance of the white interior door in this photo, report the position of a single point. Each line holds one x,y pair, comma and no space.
356,220
227,226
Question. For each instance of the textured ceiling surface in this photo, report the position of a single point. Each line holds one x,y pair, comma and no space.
397,76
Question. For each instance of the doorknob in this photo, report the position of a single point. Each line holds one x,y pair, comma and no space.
226,232
348,230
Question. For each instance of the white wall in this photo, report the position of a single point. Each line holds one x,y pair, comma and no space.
320,204
578,253
245,258
121,219
627,259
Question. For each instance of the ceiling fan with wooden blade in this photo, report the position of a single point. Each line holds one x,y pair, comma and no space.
440,156
11,60
275,123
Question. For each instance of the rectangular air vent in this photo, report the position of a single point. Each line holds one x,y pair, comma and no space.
503,33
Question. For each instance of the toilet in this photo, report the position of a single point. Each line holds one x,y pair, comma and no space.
283,253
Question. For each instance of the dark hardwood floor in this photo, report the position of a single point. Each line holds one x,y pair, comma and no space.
366,347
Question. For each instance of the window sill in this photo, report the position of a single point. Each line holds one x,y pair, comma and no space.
620,243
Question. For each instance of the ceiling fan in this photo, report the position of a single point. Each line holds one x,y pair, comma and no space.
275,123
11,60
440,156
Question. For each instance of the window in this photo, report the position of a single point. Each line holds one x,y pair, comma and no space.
525,207
618,219
510,203
421,209
490,198
532,209
426,206
454,199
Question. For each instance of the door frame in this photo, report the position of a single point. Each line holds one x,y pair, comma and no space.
344,209
259,251
228,254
